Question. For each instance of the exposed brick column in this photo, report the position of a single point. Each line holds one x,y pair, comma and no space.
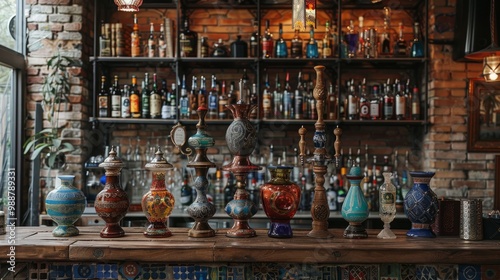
53,25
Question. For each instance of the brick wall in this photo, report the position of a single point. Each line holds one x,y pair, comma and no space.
442,149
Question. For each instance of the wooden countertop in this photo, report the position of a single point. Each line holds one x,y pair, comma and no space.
38,244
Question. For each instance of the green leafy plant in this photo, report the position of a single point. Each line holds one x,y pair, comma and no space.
55,93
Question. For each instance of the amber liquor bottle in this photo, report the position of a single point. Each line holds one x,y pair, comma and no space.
135,40
188,41
135,99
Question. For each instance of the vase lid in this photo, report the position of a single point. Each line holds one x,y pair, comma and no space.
158,162
112,161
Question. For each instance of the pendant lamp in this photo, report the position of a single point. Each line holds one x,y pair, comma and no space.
128,5
491,54
303,14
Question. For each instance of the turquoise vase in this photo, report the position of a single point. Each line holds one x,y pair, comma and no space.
421,205
355,209
65,205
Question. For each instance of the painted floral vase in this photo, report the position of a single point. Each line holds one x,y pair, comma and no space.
421,205
158,203
355,208
111,204
65,205
280,199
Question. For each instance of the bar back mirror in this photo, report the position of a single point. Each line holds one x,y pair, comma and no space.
484,116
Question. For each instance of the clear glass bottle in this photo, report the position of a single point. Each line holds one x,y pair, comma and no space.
223,101
400,46
162,45
417,47
375,106
352,101
399,102
312,46
327,42
385,47
387,206
332,102
281,50
125,102
172,104
297,45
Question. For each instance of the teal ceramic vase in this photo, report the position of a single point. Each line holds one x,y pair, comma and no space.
355,209
65,205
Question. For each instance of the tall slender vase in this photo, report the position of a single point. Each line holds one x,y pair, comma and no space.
201,210
65,205
158,202
421,205
112,203
241,139
280,199
355,209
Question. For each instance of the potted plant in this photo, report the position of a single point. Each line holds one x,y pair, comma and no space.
55,93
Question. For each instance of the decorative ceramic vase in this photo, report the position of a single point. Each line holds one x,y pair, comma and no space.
158,202
355,209
387,206
241,139
201,210
421,205
280,199
65,205
112,203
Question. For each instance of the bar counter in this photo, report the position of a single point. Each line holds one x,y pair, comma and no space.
36,244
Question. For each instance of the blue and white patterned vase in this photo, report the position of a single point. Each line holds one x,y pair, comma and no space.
355,208
65,205
421,205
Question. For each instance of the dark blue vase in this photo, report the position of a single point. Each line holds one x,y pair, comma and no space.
421,205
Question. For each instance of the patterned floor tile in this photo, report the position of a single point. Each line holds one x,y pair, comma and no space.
235,272
156,272
39,271
490,272
469,272
183,272
130,270
426,272
107,271
84,271
263,271
408,272
447,272
389,272
61,271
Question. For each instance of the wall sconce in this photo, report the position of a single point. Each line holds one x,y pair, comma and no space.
128,5
491,54
304,14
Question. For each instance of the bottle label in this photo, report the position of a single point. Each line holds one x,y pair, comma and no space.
136,49
116,101
125,107
145,106
184,107
212,102
103,106
222,108
155,104
165,112
352,108
375,110
185,199
151,48
162,48
400,105
135,104
267,48
364,110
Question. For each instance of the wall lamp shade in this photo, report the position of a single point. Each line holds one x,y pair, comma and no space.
128,5
491,68
303,14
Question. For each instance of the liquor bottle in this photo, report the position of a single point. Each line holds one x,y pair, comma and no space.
125,102
334,39
400,102
193,98
297,45
299,99
278,99
186,191
219,190
113,39
287,98
408,97
162,44
188,41
172,105
375,105
232,97
415,104
120,43
116,99
267,99
202,92
229,189
254,100
327,42
417,48
184,100
364,101
223,101
135,99
104,41
281,47
385,49
332,102
400,46
155,100
213,98
135,40
254,40
331,193
312,45
204,47
352,38
352,101
219,49
145,98
267,43
245,87
104,107
388,101
165,100
151,41
361,37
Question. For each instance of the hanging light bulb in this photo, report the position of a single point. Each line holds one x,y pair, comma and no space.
491,54
128,5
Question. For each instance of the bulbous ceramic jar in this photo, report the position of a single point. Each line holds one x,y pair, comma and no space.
158,203
355,208
421,205
112,203
280,199
65,205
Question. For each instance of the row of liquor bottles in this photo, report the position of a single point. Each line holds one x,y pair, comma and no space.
355,41
362,101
